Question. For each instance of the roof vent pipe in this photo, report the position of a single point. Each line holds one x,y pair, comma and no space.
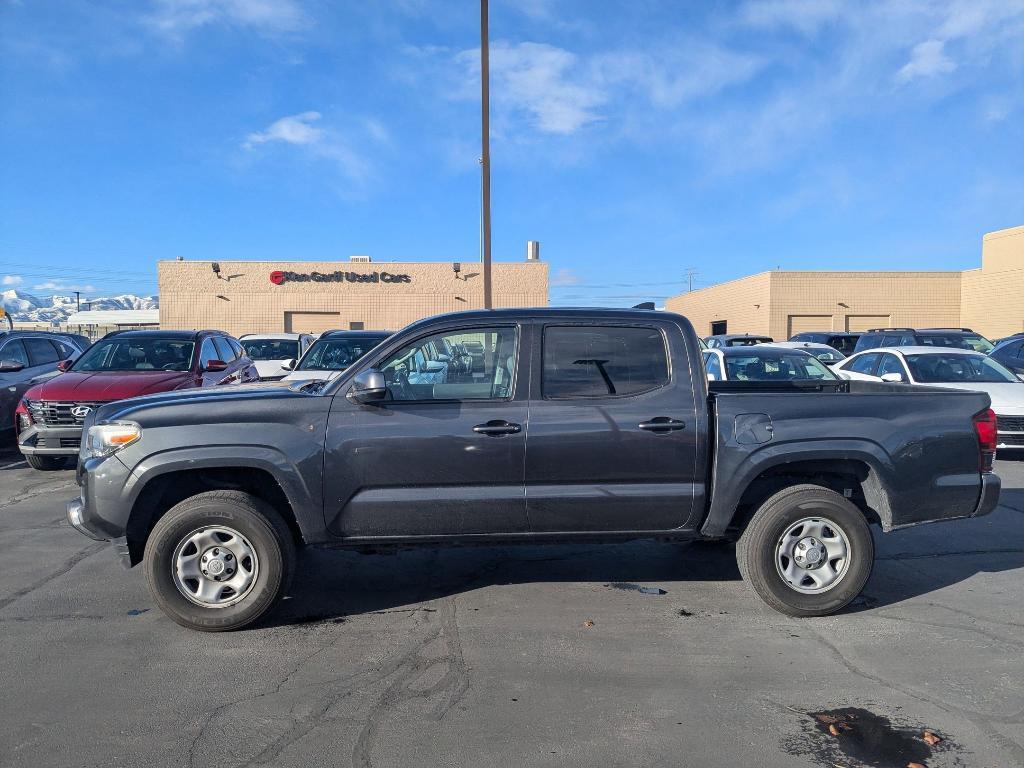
533,250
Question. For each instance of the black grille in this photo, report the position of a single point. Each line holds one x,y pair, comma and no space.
70,442
55,414
1008,439
1010,423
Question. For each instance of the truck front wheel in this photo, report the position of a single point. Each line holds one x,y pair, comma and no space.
219,560
807,551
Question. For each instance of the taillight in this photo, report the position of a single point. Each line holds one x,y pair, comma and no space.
985,428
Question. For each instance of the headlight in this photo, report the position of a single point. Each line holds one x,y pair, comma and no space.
105,439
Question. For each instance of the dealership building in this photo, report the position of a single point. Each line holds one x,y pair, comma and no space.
780,303
312,296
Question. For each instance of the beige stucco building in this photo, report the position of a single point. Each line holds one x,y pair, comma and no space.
261,297
781,303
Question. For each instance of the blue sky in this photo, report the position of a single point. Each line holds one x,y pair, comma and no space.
633,138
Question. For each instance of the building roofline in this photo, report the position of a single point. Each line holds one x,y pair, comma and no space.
1008,232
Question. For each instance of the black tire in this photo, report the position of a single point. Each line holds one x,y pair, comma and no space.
756,550
257,522
46,463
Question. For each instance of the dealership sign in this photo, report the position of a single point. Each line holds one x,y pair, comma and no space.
278,277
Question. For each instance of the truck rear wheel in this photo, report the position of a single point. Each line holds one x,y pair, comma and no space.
219,561
807,551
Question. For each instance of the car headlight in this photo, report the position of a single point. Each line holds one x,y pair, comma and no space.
111,437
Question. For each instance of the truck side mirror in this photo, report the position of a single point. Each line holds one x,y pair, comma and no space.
368,387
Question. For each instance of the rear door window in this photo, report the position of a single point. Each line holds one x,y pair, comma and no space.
41,351
864,364
602,361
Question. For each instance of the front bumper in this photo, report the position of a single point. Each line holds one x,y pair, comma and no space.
100,511
42,440
989,498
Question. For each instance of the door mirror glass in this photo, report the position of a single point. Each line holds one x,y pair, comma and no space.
63,365
892,378
213,366
10,366
289,365
368,386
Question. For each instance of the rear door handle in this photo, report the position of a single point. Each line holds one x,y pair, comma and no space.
497,427
662,424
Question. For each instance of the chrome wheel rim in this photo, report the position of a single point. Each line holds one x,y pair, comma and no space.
812,555
214,566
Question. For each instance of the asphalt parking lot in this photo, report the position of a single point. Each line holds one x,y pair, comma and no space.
529,656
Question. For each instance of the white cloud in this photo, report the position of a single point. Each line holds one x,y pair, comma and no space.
348,151
565,276
12,280
926,60
53,285
294,129
174,18
805,16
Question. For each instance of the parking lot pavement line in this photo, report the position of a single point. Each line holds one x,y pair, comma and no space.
15,464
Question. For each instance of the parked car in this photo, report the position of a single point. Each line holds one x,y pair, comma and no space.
953,368
843,341
1010,352
956,338
765,362
272,351
826,354
122,364
577,424
331,354
25,357
735,340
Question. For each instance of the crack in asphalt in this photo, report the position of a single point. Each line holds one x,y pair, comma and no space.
33,491
68,564
956,553
979,719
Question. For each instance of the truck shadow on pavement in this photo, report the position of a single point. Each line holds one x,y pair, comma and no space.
331,585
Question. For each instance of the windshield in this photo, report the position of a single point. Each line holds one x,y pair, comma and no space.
337,354
271,349
792,367
138,354
748,341
953,368
972,341
827,356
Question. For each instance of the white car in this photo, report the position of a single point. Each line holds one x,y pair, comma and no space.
272,351
332,353
950,368
826,354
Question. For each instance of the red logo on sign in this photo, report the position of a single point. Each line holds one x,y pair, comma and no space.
277,277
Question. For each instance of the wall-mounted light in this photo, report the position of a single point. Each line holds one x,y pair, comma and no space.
456,268
216,269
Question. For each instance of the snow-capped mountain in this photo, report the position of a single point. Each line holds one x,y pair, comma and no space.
24,307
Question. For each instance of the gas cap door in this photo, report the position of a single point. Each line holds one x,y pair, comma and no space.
753,428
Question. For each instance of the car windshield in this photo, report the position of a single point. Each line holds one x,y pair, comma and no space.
748,341
795,366
137,354
271,349
337,354
827,356
972,341
954,368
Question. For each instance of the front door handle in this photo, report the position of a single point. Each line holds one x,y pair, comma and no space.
662,424
497,427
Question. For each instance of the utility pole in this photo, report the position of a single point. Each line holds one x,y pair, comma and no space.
485,154
691,273
78,301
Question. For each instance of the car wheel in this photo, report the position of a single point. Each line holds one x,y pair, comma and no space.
219,561
807,551
46,463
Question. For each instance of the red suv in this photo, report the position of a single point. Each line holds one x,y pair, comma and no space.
123,364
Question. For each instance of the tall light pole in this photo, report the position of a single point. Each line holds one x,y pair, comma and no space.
485,154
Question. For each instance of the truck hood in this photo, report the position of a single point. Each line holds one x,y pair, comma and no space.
1007,399
104,386
215,397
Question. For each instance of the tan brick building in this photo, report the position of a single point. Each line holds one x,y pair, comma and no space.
261,297
781,303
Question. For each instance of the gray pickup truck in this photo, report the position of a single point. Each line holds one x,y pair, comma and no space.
525,426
